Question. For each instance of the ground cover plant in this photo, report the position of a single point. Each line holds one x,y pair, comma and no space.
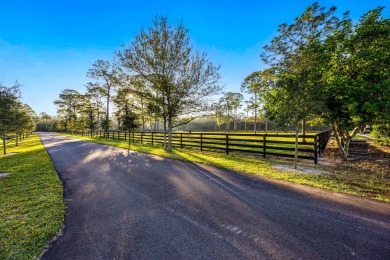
341,178
31,206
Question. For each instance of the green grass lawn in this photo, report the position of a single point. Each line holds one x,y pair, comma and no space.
31,200
369,186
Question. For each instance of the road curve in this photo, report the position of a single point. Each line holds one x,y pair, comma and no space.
139,206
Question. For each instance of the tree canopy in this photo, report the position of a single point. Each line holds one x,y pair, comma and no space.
328,67
15,117
177,78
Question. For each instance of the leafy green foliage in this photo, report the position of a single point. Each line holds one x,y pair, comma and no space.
357,86
106,75
16,118
331,69
382,133
172,75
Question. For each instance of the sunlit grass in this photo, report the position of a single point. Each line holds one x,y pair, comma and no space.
379,190
31,206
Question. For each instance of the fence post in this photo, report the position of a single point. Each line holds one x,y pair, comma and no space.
201,142
227,144
181,140
125,136
264,145
315,150
320,143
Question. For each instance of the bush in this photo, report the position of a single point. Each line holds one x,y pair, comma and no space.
381,133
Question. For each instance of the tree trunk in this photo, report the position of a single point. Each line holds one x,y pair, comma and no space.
108,112
349,138
235,119
128,145
336,132
165,132
303,130
143,116
16,140
4,148
255,126
169,134
227,121
296,148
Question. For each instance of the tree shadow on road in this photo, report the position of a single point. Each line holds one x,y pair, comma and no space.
128,160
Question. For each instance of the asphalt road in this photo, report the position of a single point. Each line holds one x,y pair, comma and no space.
140,206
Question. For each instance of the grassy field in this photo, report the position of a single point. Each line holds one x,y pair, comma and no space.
361,184
31,206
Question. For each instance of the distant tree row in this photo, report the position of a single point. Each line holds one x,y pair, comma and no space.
327,68
16,118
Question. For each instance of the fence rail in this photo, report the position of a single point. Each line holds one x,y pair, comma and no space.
310,146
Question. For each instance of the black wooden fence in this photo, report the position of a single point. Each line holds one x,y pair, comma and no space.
309,146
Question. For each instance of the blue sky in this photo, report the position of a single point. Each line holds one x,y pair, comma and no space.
49,45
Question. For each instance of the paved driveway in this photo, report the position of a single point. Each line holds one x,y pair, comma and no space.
140,206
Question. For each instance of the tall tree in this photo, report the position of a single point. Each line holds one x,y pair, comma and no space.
23,121
154,111
257,84
252,85
226,104
68,105
9,103
129,121
296,55
179,79
237,99
231,102
107,75
45,116
357,85
95,97
90,112
218,114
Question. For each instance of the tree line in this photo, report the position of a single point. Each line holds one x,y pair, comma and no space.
16,118
321,69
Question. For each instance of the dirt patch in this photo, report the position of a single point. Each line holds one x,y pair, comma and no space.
300,169
376,163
